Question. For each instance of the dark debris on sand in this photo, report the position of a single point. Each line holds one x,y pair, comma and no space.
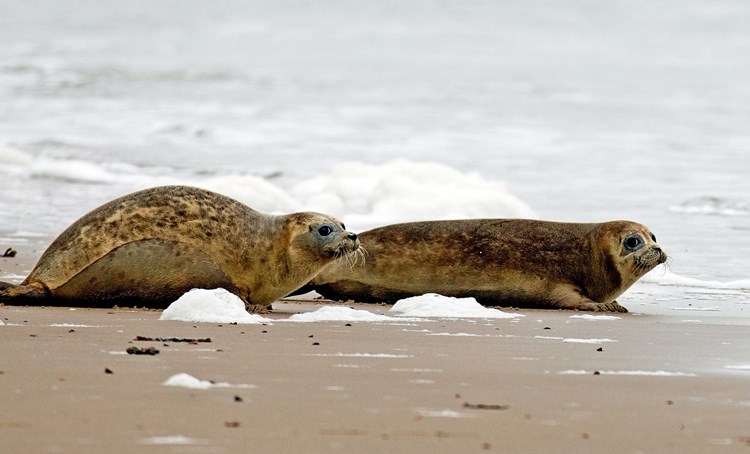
171,339
142,351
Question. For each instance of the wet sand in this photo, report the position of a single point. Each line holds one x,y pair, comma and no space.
650,383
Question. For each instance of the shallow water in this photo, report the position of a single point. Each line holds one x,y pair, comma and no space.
586,112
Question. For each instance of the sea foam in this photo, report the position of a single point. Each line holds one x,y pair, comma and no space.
210,306
662,276
363,195
402,190
434,305
340,313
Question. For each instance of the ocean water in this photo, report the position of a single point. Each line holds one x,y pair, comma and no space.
389,111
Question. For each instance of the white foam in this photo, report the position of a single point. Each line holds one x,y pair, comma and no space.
210,306
662,276
72,169
595,317
13,278
364,195
573,340
402,190
72,325
184,380
645,373
360,355
458,334
739,367
24,164
340,314
445,413
1,323
697,308
254,191
434,305
709,205
13,156
170,440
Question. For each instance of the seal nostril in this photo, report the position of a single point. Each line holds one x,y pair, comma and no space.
352,236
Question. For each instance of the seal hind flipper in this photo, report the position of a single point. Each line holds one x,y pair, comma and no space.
151,273
28,293
6,285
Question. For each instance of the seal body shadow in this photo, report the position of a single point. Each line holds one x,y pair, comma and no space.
500,262
149,247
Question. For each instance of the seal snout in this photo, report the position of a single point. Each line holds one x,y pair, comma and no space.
650,258
662,254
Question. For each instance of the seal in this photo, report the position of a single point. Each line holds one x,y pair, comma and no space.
149,247
500,262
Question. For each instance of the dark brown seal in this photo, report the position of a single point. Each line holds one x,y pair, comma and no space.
149,247
500,262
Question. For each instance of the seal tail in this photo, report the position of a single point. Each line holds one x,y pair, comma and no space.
6,285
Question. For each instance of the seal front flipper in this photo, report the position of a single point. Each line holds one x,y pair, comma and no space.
571,298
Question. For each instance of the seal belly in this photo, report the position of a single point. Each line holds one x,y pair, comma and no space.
150,273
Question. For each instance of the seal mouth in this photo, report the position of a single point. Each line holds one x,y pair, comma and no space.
650,258
349,250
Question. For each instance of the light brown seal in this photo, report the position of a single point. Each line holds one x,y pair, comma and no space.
149,247
500,262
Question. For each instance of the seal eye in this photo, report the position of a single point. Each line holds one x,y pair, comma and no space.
633,243
343,227
325,230
653,237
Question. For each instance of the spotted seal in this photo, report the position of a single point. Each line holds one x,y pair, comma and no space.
500,262
149,247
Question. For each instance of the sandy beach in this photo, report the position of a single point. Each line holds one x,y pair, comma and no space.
546,382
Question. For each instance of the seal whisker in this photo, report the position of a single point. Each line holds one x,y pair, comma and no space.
362,254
